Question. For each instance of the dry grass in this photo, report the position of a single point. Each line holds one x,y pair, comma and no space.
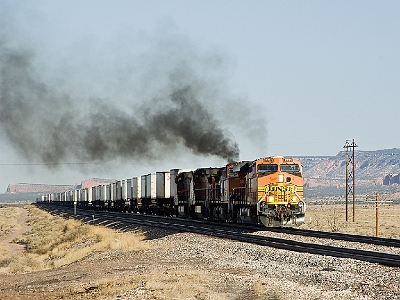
333,218
53,241
8,219
183,283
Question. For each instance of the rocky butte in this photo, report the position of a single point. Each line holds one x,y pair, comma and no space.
375,172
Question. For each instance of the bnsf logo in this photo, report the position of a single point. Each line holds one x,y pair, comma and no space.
269,188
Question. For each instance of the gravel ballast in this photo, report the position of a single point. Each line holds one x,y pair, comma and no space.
286,274
193,266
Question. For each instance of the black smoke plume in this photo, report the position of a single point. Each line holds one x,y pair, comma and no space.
42,123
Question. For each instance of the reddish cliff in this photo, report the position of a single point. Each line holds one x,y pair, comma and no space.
14,188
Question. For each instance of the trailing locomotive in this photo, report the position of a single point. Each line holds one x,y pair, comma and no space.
266,191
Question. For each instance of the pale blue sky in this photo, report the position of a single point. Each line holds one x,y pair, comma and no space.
312,73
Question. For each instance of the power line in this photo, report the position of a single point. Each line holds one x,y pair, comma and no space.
48,164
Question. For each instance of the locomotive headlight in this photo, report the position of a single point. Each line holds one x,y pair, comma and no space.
271,199
280,177
302,207
294,199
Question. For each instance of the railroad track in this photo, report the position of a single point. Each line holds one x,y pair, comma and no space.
380,241
118,220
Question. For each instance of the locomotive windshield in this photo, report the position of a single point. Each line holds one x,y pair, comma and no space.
291,168
268,168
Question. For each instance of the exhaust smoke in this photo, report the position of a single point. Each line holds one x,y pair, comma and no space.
46,125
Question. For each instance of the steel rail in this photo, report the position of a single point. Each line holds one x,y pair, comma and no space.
371,240
381,241
387,259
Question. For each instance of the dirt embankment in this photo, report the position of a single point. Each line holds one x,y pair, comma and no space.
14,223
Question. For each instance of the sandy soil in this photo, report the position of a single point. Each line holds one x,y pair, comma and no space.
18,230
79,280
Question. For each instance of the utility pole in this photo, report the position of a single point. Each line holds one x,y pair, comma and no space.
350,181
377,202
376,215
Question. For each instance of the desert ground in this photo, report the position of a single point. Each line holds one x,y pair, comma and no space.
47,257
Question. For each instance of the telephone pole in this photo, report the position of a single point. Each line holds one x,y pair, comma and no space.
350,182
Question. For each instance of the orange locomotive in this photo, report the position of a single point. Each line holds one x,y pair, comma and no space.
276,183
267,190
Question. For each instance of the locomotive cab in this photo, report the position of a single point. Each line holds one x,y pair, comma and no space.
276,185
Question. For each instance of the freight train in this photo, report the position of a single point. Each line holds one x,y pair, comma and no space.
266,191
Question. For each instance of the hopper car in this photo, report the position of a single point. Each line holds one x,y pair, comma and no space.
266,191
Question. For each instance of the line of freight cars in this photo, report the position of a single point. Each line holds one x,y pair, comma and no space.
268,190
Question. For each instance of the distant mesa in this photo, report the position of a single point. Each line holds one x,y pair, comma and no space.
16,188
